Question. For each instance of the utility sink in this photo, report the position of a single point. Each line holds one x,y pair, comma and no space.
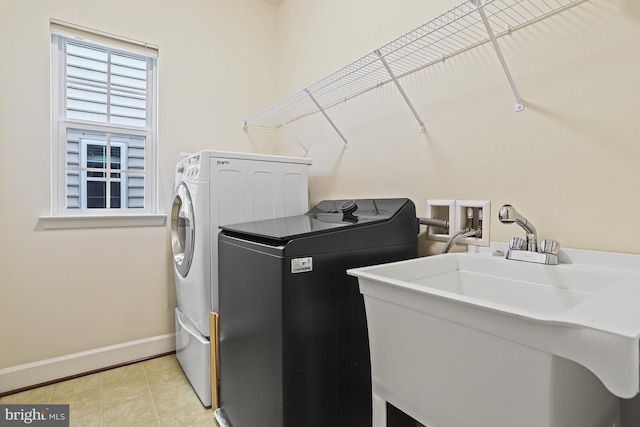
470,339
490,282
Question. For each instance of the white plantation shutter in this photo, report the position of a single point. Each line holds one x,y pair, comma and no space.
105,86
104,96
87,83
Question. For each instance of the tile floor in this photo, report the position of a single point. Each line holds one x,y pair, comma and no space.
150,393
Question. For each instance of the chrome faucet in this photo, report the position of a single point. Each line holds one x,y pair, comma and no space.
508,215
527,249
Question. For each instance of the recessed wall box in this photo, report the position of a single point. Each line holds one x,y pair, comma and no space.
443,210
473,214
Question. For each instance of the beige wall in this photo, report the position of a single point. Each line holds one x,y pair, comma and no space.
67,291
570,162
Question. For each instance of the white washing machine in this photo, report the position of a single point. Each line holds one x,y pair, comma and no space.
214,188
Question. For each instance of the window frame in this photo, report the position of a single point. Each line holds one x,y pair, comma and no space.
61,216
84,170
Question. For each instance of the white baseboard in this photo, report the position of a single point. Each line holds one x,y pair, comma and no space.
21,376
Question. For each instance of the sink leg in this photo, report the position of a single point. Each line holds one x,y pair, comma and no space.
380,412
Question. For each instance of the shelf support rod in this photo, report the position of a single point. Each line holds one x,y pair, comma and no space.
324,113
293,135
402,92
496,47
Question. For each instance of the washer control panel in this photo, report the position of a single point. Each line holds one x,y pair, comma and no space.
189,167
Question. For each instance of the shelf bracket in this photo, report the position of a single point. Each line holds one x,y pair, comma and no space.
324,113
294,136
402,92
519,102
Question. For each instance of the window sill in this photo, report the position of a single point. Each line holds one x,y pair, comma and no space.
101,221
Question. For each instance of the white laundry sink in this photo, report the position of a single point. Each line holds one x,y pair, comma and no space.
476,340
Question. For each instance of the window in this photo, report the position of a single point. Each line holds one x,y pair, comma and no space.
104,124
104,170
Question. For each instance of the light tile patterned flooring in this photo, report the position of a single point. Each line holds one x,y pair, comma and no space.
150,393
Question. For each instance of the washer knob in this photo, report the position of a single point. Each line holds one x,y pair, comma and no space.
349,206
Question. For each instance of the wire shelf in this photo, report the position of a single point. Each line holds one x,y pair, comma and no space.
451,33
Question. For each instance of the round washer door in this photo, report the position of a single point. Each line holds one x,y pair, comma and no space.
182,230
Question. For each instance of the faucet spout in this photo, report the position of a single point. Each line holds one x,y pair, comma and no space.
508,215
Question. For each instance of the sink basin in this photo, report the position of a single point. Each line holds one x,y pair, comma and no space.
492,282
542,338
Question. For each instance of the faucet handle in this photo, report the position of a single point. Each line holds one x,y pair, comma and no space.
517,243
549,247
